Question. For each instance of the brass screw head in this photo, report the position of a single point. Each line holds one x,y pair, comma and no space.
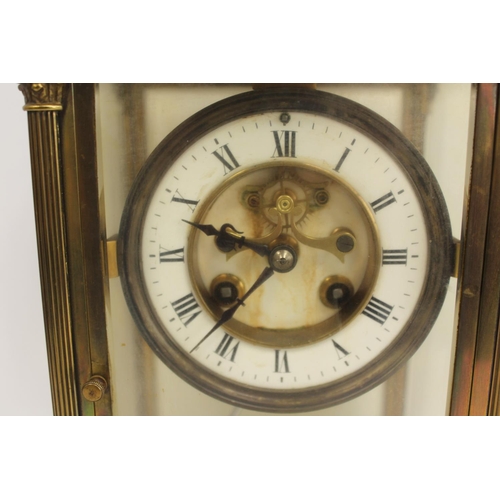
225,289
253,200
94,389
345,243
321,196
283,259
336,291
285,204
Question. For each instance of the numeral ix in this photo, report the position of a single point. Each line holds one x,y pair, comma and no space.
171,255
178,198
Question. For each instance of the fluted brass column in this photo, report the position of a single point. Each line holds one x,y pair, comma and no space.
43,103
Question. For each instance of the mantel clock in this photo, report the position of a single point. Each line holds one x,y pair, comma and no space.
233,249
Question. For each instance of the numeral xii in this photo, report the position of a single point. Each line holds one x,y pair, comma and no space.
285,142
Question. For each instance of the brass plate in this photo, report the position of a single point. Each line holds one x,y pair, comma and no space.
303,335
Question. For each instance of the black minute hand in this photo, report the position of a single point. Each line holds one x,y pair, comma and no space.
229,313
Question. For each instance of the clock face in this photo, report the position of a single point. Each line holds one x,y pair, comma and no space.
285,250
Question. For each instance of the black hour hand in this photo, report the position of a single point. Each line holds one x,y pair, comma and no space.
208,229
228,237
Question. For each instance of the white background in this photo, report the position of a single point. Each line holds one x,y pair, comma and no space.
268,458
23,364
23,358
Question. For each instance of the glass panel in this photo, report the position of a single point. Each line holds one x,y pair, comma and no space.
133,119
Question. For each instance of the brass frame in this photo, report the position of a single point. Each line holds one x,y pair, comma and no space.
61,120
476,378
71,247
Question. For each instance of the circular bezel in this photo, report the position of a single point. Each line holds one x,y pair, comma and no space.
287,100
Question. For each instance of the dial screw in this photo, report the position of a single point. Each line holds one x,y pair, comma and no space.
226,289
225,293
345,243
321,196
336,291
284,118
338,294
93,390
283,258
253,200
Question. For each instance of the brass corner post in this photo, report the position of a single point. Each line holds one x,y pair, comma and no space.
42,96
476,378
70,231
43,103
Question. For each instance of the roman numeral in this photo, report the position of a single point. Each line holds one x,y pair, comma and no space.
226,158
342,159
186,308
171,255
341,352
180,199
281,362
383,201
285,143
224,349
377,310
395,257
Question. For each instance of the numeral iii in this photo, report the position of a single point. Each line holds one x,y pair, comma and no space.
395,257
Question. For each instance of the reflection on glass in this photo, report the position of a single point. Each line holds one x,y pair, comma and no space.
133,119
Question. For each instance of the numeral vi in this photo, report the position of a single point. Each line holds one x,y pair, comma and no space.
281,362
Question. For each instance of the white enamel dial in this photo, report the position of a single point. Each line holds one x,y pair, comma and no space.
287,337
